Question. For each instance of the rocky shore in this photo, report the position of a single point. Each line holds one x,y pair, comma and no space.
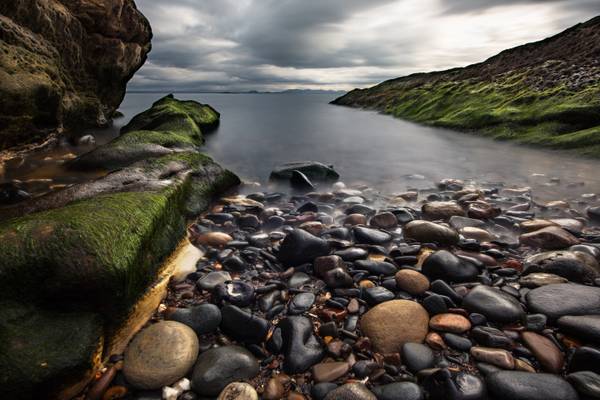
462,291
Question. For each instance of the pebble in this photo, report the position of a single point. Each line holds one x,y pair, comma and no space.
498,357
300,346
351,391
574,300
399,390
417,356
545,351
238,391
496,305
454,323
327,372
517,385
160,355
214,239
204,318
585,327
391,324
412,282
216,368
300,247
429,232
446,266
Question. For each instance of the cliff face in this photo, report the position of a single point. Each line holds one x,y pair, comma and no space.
545,93
65,64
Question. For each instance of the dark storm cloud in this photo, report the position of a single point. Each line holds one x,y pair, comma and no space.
276,44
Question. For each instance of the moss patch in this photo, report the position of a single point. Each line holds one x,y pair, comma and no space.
545,93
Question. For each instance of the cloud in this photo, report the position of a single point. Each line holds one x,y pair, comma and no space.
334,44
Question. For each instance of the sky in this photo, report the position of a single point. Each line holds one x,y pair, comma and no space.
271,45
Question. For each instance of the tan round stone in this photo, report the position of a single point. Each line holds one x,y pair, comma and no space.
160,355
238,391
448,322
391,324
215,239
411,281
355,219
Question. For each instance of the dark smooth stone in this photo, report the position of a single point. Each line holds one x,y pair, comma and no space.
352,254
586,383
491,337
364,368
337,278
370,236
446,266
243,326
417,356
517,385
216,368
273,222
435,304
477,319
234,263
204,318
308,207
443,385
238,293
441,287
585,359
300,346
497,306
586,327
219,218
360,209
570,268
248,221
457,342
267,301
299,181
301,247
328,329
299,279
212,279
399,390
575,299
300,303
376,267
536,322
320,390
377,294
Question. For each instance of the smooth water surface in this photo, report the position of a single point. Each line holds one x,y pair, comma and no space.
259,131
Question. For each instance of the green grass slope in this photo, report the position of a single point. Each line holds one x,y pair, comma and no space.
544,93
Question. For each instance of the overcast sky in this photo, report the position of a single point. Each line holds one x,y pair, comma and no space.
334,44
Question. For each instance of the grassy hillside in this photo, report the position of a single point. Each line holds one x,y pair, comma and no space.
545,93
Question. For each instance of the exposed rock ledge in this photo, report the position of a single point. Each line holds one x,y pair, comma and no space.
74,267
65,64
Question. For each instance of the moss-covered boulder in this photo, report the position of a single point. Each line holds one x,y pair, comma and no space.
169,126
74,263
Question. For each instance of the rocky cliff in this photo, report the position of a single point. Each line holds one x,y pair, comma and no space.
544,93
65,64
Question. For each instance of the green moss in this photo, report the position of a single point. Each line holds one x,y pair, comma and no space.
170,114
34,359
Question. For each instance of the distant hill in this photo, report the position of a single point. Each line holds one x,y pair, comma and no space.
545,93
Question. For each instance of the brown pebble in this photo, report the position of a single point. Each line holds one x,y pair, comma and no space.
498,357
274,390
353,306
435,341
327,372
115,392
545,351
355,219
214,239
411,281
449,323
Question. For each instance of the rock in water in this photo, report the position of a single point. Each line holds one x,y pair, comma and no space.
216,368
497,306
585,327
516,385
299,181
57,76
160,355
300,247
313,170
391,324
399,390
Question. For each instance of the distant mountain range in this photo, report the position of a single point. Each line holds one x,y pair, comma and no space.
544,93
291,91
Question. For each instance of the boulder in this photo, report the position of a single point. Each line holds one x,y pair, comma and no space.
65,64
313,170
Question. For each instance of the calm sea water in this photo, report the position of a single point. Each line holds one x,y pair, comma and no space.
259,131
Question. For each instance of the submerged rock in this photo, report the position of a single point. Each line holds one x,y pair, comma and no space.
313,170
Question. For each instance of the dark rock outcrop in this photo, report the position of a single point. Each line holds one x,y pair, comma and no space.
65,64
